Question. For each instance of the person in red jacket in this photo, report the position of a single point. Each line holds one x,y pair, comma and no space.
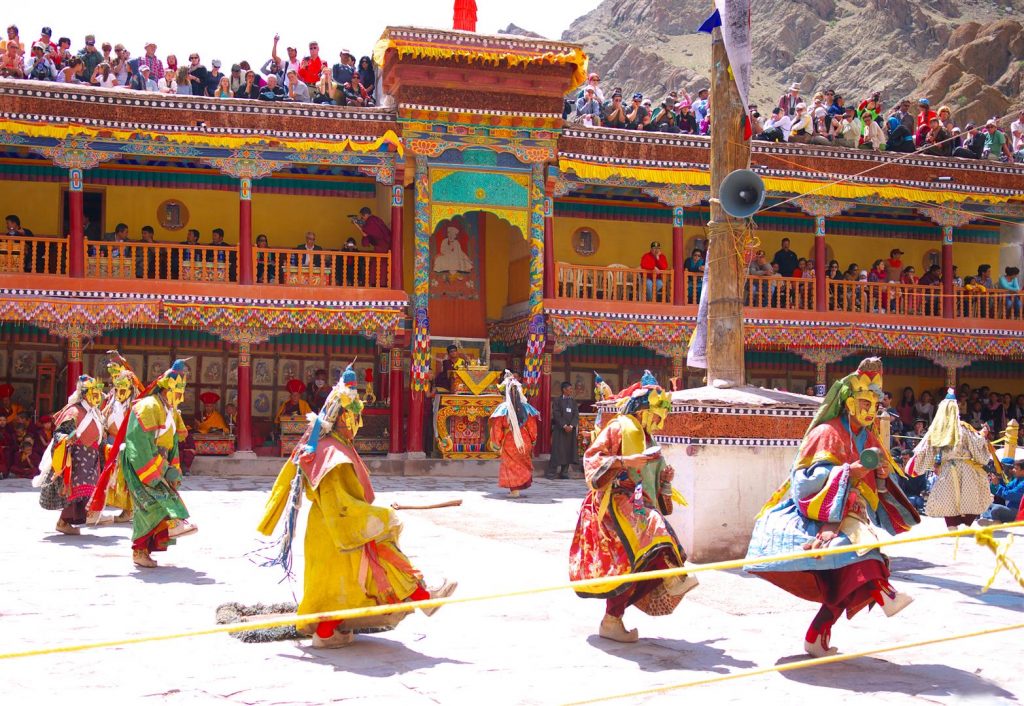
654,262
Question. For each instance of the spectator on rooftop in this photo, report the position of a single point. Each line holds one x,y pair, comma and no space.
167,84
995,143
171,64
150,59
838,107
638,115
791,100
291,60
120,65
183,81
924,113
588,108
701,106
273,67
14,37
39,67
11,63
870,114
107,56
900,138
223,89
236,78
972,143
594,81
296,90
213,80
802,129
90,55
326,90
310,67
902,113
250,89
49,48
665,118
345,69
355,94
1017,137
786,259
776,127
270,92
103,76
198,76
756,128
246,67
368,77
72,72
64,54
938,141
946,118
615,112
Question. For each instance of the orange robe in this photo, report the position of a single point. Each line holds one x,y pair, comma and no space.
516,471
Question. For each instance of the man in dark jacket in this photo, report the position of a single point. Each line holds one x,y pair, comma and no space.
974,143
565,421
786,259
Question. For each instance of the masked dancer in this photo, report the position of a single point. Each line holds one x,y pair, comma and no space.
837,495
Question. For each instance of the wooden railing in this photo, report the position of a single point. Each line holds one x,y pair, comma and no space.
321,268
160,261
614,283
778,293
885,299
34,255
996,304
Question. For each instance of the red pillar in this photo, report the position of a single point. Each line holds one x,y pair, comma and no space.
74,362
76,208
947,272
820,285
244,241
415,433
243,433
549,247
397,225
395,399
678,268
544,446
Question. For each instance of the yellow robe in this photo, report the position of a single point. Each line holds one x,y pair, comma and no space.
212,424
352,559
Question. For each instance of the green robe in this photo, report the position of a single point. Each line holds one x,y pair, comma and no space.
150,465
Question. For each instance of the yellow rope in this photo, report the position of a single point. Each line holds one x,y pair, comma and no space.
608,581
791,666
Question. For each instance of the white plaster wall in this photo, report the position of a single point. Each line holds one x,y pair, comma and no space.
1011,248
725,486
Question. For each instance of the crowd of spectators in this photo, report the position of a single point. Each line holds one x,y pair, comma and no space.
310,78
825,119
119,250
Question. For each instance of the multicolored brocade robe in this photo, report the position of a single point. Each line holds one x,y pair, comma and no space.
821,493
621,530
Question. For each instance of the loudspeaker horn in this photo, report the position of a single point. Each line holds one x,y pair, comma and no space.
741,193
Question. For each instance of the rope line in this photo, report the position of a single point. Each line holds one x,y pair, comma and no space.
1000,549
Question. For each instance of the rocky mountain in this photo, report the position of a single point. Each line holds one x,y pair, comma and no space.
965,53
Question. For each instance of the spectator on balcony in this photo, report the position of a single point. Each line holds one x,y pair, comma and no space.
993,412
213,81
368,77
694,265
198,76
296,89
900,138
310,66
40,67
250,89
894,265
654,261
266,263
807,271
150,59
913,300
786,259
984,277
376,233
307,247
996,147
345,69
145,257
791,100
1010,283
701,106
905,409
588,108
957,279
11,63
355,93
760,291
801,265
615,112
925,407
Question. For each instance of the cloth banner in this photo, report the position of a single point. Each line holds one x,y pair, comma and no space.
697,351
735,18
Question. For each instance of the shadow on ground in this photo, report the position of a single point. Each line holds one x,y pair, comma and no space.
876,676
657,654
371,656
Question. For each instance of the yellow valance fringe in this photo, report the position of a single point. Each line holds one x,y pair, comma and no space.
843,190
419,51
59,131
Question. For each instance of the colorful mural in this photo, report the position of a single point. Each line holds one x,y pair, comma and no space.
455,259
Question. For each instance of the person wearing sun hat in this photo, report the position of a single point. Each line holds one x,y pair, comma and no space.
351,553
840,491
622,527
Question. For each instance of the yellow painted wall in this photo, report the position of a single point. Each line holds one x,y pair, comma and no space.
619,242
518,280
499,244
37,205
286,218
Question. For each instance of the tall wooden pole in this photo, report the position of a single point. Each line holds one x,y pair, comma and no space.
729,152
